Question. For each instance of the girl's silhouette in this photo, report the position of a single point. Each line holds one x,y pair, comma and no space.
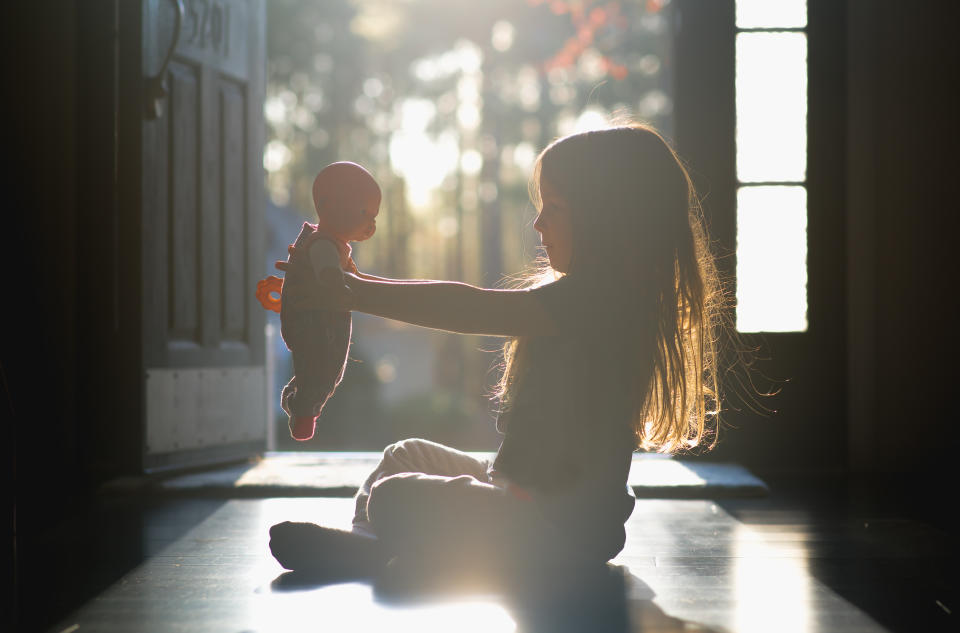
611,348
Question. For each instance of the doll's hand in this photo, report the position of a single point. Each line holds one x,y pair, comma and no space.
287,266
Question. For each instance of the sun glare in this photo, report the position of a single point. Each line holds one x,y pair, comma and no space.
422,159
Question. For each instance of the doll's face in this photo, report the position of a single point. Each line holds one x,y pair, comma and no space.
347,199
351,215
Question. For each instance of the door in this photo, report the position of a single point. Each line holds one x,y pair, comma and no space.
202,205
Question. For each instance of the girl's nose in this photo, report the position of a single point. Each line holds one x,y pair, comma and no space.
538,223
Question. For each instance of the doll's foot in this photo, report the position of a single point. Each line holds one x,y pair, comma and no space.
316,550
302,427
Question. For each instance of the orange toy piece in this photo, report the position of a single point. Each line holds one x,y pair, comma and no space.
266,288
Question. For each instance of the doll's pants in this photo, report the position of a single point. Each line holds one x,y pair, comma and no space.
439,506
318,341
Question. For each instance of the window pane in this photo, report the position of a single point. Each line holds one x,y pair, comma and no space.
771,107
771,14
772,259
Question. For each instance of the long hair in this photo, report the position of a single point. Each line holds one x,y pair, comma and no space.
638,232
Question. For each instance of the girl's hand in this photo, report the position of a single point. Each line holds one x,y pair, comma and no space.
303,290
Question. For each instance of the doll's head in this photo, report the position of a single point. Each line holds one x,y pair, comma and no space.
347,200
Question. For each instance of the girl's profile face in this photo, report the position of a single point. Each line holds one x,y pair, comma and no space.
555,226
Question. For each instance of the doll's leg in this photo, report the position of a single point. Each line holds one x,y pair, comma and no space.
319,342
299,396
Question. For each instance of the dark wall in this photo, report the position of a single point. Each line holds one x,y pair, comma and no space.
901,218
39,252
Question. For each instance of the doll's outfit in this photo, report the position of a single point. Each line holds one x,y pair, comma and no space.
318,340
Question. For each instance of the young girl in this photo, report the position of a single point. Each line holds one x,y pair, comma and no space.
611,348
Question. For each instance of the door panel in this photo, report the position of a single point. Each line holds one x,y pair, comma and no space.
184,312
202,203
235,292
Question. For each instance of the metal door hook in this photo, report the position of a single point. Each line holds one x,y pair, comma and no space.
155,89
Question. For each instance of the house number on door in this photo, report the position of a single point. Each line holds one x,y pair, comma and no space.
208,25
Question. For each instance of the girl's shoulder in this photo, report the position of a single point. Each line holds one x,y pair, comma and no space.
577,304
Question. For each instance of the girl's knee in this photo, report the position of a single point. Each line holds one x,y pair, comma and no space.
403,448
390,499
406,454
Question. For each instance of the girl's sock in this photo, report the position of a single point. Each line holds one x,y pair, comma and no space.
314,549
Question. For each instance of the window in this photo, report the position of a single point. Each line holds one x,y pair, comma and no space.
771,136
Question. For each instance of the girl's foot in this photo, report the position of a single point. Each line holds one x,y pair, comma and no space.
313,549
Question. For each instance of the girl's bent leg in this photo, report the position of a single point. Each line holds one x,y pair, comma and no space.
416,456
336,553
460,522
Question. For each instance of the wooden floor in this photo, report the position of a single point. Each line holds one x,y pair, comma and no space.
801,560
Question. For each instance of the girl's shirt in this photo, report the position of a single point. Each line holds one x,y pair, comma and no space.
567,435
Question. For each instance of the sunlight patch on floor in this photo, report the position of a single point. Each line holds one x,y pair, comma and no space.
352,605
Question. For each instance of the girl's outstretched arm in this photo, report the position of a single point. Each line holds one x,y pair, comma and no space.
441,305
451,306
369,277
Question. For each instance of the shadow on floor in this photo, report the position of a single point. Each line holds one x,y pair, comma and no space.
67,564
603,600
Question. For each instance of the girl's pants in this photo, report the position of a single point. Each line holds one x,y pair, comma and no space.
434,503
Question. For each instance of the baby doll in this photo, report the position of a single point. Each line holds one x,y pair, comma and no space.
347,200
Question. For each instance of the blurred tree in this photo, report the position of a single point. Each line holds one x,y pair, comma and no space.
339,70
